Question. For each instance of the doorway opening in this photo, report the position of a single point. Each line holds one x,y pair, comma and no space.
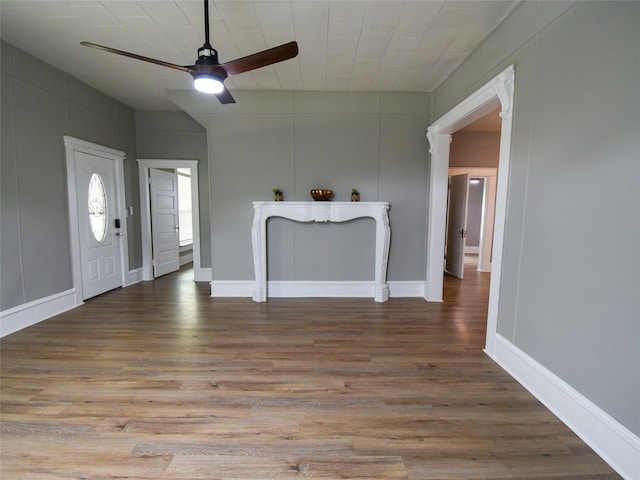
185,215
145,166
481,213
497,93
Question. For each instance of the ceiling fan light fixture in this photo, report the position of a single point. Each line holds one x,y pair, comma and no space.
207,83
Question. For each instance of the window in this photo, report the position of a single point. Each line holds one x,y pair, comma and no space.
185,212
97,207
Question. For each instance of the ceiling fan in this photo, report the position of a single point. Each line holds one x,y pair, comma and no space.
208,74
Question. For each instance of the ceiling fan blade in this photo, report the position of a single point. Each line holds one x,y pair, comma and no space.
261,59
225,97
137,57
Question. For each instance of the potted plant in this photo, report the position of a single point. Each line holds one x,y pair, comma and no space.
277,195
355,195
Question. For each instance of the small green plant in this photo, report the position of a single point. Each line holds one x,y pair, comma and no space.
277,195
354,192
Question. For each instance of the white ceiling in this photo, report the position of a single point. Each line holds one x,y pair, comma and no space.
344,45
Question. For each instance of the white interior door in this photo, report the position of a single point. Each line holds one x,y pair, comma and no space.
98,224
164,221
457,224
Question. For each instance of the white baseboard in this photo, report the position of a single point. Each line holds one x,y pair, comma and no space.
28,314
134,276
184,259
310,289
232,288
401,288
617,446
201,274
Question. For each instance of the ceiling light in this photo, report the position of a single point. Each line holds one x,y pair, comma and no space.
474,180
207,83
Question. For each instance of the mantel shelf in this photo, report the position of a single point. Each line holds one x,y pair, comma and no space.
320,212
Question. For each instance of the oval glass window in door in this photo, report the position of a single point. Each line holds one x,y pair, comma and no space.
97,207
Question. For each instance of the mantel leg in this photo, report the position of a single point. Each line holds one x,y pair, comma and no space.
259,294
259,243
383,240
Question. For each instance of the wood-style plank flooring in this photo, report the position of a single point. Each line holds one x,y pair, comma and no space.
159,381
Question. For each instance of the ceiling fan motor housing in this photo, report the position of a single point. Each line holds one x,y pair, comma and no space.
207,55
207,63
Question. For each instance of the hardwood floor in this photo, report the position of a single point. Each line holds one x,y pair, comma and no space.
159,381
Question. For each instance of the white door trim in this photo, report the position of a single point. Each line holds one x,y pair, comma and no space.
73,145
498,92
145,213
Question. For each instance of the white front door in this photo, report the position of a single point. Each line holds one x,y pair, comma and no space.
457,224
98,224
164,221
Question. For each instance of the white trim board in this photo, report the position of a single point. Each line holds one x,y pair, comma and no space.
202,275
315,289
608,438
28,314
134,276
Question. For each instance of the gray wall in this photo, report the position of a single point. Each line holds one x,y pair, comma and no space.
177,136
474,149
39,106
571,264
297,141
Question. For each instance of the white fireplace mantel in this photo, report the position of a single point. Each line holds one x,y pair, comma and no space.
320,212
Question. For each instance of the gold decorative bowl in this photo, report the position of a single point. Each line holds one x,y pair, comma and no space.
321,194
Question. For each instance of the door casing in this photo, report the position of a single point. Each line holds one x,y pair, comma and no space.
145,214
73,145
498,92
